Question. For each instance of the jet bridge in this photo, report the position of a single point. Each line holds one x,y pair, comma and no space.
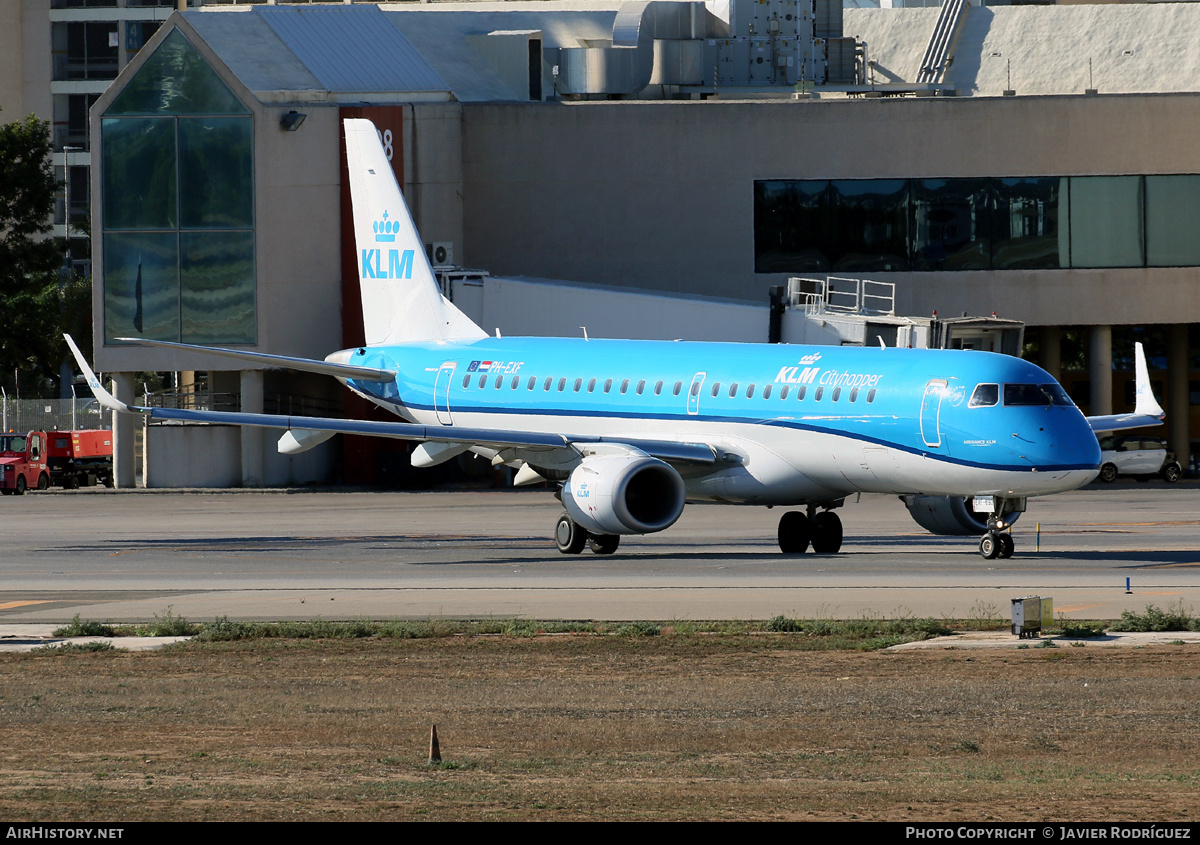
839,311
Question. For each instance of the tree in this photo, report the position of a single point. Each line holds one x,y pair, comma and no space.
30,259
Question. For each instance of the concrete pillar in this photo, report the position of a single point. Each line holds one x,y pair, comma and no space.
1100,370
252,438
1179,417
124,431
1051,345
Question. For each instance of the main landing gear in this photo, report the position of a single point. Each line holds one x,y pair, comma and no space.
797,530
998,542
571,539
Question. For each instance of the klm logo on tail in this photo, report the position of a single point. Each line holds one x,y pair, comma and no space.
398,264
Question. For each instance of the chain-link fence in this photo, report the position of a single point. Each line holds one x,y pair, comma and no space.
21,415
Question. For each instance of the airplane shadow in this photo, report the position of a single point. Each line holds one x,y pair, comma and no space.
537,549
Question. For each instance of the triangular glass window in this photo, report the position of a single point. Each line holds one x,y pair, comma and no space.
176,80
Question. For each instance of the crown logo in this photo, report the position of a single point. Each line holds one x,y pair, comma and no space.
385,230
810,359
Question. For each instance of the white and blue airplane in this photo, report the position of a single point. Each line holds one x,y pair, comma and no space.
633,430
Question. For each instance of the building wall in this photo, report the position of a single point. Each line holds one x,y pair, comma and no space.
25,59
660,195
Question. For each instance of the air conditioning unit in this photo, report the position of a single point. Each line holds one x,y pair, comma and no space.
440,253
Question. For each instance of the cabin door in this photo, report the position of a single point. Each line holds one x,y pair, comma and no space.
693,399
441,392
931,411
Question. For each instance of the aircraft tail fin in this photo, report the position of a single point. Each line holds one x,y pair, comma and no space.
401,300
1145,403
1146,412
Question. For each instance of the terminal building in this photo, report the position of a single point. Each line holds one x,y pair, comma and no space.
1035,162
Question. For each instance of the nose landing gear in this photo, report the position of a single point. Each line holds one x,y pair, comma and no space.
998,542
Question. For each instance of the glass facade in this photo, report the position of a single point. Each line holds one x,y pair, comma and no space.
1009,223
178,204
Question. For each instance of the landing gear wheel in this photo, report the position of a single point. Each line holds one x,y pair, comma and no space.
20,491
1006,544
989,546
568,536
826,533
1108,472
603,544
43,482
794,532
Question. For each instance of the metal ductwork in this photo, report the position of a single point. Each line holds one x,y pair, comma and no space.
654,42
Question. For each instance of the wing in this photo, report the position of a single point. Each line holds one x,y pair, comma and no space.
307,365
306,432
1146,412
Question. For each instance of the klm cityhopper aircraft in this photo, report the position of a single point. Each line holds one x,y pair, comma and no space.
632,430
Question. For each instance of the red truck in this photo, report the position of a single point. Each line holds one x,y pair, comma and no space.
64,458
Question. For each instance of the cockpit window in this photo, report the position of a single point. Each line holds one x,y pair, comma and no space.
1024,394
1056,393
1035,394
985,396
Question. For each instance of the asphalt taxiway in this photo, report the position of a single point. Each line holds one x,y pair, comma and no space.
274,555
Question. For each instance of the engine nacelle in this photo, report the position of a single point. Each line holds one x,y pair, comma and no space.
624,494
949,515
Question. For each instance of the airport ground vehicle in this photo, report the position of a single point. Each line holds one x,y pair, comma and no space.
1138,455
80,458
23,463
67,459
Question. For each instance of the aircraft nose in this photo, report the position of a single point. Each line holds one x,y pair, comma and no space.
1077,445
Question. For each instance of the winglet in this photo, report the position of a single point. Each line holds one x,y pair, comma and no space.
103,396
1146,403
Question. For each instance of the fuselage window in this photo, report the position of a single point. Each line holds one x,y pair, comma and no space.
678,387
516,380
985,396
854,394
716,388
817,394
641,386
783,392
800,392
749,390
871,395
562,384
499,381
578,384
483,381
549,381
466,381
592,386
767,392
733,390
624,386
658,387
532,382
837,391
607,385
695,388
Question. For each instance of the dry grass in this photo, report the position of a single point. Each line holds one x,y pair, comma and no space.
578,727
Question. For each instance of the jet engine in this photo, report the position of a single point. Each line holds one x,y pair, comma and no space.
624,494
949,515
